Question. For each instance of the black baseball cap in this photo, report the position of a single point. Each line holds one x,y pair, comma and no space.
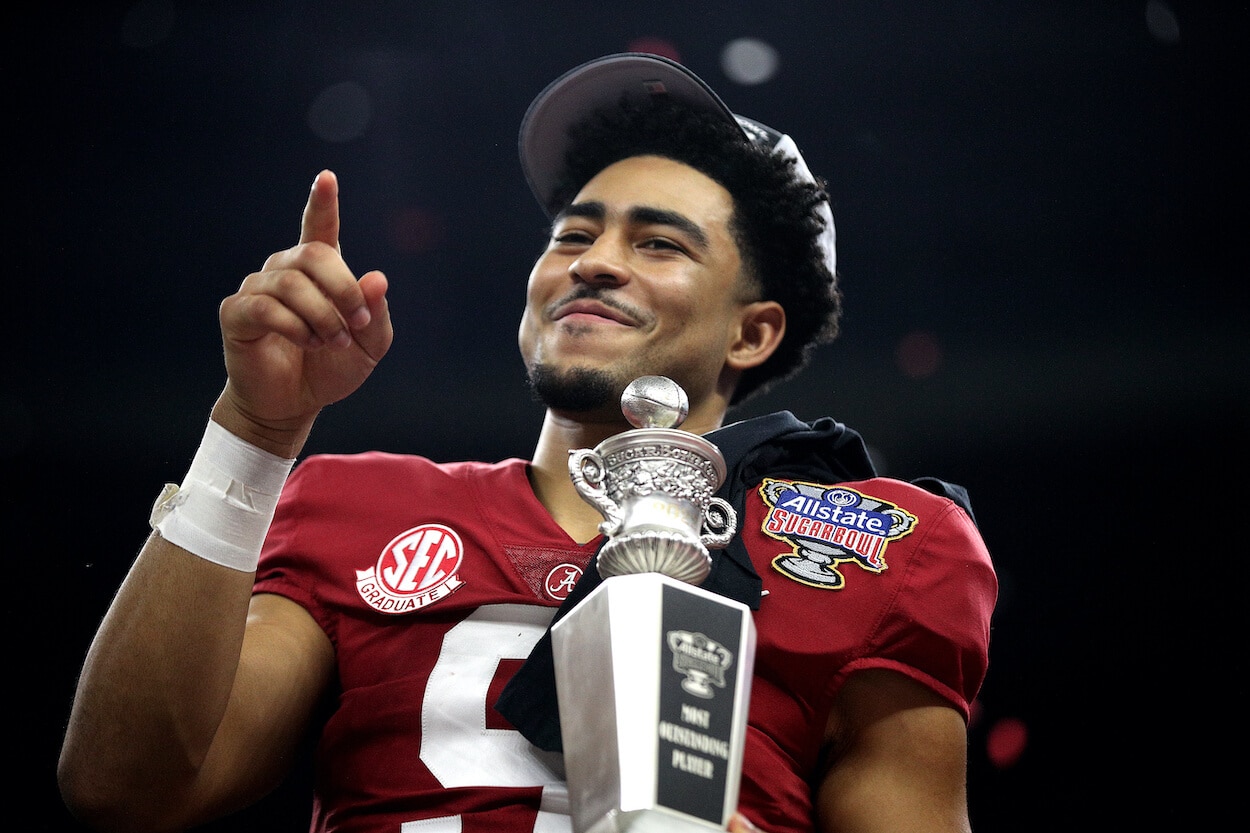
598,84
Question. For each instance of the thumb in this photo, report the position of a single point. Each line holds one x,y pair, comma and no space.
321,214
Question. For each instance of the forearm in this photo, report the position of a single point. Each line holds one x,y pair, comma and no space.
178,717
155,686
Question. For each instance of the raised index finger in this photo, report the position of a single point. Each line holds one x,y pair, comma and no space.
321,215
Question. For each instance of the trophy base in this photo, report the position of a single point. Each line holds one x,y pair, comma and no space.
653,678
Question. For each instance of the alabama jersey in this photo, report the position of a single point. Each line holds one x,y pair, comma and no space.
857,575
434,581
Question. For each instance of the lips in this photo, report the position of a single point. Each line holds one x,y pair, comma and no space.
592,308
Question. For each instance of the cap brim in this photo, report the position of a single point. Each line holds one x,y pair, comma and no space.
600,83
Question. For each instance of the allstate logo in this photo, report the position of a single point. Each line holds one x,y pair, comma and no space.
828,526
703,661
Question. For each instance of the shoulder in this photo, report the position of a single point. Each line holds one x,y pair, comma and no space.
385,461
881,505
378,469
901,569
812,531
930,522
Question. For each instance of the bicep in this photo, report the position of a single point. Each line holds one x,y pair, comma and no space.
899,759
285,667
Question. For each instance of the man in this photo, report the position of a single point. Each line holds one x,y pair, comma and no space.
395,597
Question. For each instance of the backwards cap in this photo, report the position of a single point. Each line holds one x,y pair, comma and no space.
599,84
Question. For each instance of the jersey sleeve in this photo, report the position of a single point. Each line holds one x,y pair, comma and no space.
282,570
937,628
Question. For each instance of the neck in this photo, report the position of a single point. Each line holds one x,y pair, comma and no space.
549,470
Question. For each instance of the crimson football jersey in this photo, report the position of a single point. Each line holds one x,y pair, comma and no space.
434,581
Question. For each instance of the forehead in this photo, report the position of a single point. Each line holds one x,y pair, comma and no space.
659,182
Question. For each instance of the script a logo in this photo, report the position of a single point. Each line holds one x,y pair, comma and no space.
561,581
418,567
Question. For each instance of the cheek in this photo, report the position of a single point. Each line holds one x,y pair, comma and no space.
689,312
538,289
534,277
548,266
548,281
525,330
527,335
702,330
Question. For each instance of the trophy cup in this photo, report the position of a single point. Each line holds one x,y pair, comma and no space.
653,673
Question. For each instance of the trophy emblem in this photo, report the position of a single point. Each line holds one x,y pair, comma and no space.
653,672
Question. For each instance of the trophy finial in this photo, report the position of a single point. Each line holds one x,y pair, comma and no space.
654,402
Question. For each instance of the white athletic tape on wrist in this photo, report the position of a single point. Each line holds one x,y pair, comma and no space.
225,504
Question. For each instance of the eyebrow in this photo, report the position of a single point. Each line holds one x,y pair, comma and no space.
640,215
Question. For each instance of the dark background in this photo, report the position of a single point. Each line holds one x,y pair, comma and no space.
1042,236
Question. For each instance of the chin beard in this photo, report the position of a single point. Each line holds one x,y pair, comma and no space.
577,390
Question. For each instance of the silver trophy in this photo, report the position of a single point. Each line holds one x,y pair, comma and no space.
653,673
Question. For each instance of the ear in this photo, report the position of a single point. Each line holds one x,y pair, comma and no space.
761,326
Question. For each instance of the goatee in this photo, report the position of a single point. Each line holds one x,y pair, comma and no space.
577,390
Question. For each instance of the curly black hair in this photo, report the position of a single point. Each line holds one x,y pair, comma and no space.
775,221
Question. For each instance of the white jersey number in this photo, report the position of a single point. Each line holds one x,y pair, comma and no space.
456,746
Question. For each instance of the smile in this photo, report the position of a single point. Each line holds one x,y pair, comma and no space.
586,310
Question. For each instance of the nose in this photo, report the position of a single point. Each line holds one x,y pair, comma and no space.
605,261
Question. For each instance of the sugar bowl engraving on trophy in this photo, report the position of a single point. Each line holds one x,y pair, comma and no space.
654,487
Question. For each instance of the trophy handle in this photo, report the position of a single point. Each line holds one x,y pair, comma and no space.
720,521
588,473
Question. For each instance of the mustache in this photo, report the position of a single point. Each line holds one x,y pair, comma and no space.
599,294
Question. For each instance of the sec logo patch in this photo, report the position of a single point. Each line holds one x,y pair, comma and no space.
418,567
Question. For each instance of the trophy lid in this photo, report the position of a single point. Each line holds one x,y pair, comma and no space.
654,402
655,406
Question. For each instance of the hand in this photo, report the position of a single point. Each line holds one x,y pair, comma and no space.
301,333
741,824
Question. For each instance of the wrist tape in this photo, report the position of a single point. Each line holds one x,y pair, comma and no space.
225,504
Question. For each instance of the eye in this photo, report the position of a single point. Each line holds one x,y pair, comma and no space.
572,237
663,244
